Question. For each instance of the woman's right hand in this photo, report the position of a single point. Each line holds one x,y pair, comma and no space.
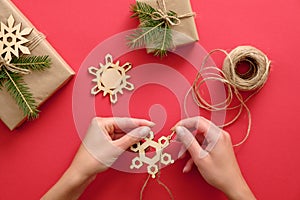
215,158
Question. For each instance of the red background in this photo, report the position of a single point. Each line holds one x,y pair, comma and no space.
34,156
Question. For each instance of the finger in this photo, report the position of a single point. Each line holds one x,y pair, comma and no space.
118,135
195,123
205,127
189,141
127,124
132,137
188,166
99,145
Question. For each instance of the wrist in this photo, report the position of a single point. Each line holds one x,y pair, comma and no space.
69,187
77,177
240,192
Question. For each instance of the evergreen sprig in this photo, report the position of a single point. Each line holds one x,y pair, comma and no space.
16,86
155,35
35,63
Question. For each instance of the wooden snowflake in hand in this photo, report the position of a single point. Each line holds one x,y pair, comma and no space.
111,78
12,40
151,160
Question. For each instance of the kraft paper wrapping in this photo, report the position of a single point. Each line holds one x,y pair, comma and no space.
42,84
186,31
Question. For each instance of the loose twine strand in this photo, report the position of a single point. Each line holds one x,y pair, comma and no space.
253,80
159,182
35,41
158,175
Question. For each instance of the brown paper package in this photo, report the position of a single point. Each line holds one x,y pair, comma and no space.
186,31
41,84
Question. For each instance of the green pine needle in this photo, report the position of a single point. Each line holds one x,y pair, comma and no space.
34,63
2,78
21,93
17,87
155,35
142,10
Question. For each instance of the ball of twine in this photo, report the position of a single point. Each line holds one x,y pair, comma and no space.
253,80
259,67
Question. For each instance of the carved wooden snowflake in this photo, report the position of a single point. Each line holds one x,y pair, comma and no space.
158,156
111,78
12,40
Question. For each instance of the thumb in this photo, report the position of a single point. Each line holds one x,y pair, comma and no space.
132,137
190,143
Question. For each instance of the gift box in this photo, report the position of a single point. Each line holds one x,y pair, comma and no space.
186,31
42,84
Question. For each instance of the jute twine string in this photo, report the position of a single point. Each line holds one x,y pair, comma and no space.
12,68
158,175
35,41
159,182
253,80
162,13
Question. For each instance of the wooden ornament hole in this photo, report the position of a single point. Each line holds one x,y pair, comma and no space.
9,39
151,154
135,146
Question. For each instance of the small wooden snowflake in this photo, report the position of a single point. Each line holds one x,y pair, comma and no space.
111,78
12,40
153,161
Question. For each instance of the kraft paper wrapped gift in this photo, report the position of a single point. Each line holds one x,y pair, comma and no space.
186,31
42,84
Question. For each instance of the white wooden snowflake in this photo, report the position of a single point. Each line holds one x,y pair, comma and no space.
111,78
153,161
12,40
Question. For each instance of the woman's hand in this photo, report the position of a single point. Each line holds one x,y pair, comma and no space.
215,158
105,140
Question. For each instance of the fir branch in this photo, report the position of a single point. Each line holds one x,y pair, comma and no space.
2,74
155,35
35,63
142,10
143,36
164,43
21,93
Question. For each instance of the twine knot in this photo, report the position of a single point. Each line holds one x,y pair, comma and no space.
162,14
159,15
12,68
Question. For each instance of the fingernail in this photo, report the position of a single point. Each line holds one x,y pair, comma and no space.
144,132
151,124
184,170
179,131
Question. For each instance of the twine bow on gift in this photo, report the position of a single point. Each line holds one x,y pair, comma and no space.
12,68
155,28
163,14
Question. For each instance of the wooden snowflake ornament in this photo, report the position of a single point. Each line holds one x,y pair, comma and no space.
153,162
12,40
111,78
